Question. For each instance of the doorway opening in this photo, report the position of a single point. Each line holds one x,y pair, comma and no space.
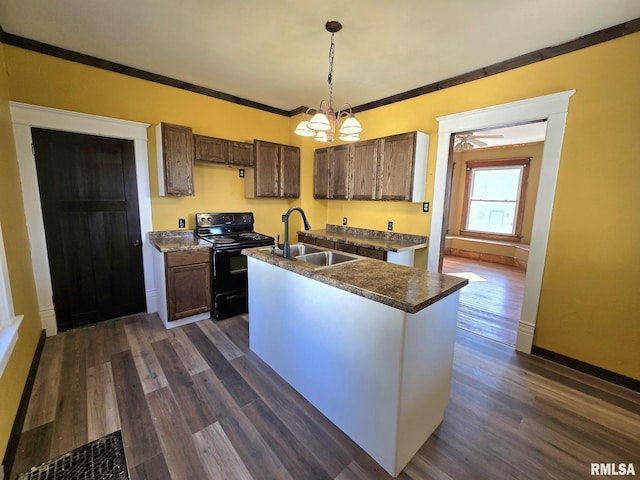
492,186
554,108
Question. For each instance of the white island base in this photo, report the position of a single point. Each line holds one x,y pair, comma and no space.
380,374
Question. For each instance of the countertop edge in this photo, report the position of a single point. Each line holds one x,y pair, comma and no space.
319,274
363,241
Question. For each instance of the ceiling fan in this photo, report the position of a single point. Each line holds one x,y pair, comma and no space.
467,141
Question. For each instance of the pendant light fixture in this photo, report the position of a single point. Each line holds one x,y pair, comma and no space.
321,123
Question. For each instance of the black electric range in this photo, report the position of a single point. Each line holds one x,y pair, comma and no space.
229,233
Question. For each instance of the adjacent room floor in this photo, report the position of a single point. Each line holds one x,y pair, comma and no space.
490,304
195,403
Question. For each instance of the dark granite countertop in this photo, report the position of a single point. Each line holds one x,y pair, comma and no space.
405,288
374,239
177,240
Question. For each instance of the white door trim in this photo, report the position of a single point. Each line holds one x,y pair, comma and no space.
25,116
552,108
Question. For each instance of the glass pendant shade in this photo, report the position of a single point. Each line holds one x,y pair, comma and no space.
319,122
354,137
350,126
321,137
303,130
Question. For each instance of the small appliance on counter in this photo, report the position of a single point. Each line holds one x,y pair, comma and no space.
229,233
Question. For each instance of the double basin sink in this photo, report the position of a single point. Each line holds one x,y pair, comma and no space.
319,257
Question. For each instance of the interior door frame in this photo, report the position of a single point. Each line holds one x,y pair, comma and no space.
24,116
552,108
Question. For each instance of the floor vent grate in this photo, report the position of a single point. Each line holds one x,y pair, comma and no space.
102,459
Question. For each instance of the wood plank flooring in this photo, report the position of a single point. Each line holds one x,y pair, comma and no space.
195,403
490,304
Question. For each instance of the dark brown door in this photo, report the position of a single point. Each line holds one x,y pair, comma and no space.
90,210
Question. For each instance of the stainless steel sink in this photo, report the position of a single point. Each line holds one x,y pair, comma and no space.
298,249
326,258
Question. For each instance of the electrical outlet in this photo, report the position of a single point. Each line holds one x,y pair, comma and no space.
241,173
283,217
181,223
344,220
425,207
390,226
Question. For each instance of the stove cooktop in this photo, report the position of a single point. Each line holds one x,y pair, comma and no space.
230,230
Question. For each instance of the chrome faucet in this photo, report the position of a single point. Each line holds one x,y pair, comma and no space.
287,246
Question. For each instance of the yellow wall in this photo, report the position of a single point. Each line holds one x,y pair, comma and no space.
14,231
589,299
533,150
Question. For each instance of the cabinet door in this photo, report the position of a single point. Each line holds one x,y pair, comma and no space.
321,173
338,171
364,165
240,154
210,149
175,160
290,171
395,176
267,169
188,290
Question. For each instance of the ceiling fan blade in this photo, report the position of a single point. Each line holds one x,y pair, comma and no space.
475,141
486,136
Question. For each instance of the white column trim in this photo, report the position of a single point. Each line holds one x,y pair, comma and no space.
552,108
25,116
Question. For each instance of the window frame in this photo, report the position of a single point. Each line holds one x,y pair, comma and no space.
9,322
523,162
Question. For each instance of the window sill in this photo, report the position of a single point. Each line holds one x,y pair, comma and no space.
491,236
8,340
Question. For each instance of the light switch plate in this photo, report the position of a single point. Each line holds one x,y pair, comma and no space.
390,226
344,220
181,223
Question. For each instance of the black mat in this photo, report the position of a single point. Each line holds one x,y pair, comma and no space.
102,459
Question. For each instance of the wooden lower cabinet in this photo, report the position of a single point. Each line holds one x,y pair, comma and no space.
188,275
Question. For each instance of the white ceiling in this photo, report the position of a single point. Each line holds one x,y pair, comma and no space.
276,52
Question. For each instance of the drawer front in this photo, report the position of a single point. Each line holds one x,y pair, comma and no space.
186,257
323,242
306,239
372,253
344,247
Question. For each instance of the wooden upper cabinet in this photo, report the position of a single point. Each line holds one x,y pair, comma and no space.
364,170
219,151
388,168
290,171
395,168
174,144
210,149
321,173
339,165
240,154
276,172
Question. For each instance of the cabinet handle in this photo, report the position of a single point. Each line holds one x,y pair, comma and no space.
136,243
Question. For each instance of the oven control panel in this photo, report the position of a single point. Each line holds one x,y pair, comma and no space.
222,219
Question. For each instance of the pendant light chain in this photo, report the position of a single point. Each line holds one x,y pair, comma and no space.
332,50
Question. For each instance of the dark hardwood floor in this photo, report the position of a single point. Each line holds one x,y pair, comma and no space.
195,403
490,304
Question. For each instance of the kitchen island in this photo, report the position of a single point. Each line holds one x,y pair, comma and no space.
368,343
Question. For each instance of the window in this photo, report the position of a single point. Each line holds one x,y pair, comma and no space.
495,192
9,323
